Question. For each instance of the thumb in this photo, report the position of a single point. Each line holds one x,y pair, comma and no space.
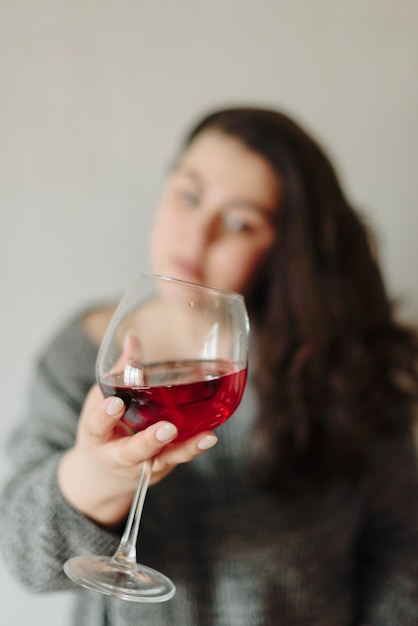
130,362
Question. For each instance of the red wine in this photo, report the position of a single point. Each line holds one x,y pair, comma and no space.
193,395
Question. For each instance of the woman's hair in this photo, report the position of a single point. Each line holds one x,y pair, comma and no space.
334,370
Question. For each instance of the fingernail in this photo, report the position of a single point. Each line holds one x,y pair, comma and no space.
207,442
166,432
115,406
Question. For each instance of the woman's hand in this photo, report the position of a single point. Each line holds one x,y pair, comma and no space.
98,476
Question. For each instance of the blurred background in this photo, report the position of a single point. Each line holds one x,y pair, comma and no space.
95,96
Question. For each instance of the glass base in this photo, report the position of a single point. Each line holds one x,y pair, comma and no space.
133,582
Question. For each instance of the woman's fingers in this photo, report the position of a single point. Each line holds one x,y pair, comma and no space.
158,442
100,417
187,450
101,425
175,454
130,361
147,443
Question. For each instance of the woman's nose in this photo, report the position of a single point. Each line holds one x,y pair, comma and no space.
201,231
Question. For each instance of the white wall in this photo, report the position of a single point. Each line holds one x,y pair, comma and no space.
94,97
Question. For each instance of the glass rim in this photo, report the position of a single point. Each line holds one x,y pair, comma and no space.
225,292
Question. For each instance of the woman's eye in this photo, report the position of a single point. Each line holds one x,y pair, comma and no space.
235,223
188,198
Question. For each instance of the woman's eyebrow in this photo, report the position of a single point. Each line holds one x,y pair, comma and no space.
237,203
192,176
249,205
188,173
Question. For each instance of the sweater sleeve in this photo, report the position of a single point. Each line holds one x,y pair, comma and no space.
39,530
388,550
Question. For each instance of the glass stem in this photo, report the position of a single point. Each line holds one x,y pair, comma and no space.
126,552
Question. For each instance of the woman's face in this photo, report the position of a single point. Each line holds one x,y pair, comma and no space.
215,220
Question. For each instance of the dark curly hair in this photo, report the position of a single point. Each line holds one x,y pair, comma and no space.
335,370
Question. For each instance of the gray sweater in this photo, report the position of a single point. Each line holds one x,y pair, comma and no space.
239,556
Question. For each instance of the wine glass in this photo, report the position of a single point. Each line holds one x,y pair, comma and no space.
173,351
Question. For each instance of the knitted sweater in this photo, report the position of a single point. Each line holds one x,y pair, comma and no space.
238,555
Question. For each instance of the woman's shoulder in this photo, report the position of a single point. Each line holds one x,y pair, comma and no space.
95,321
78,337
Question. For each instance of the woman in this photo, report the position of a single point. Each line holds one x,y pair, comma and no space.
306,512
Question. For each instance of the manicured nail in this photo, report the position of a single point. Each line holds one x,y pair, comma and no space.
166,432
115,406
207,442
